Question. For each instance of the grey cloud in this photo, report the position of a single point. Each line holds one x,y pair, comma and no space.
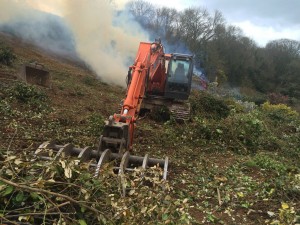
262,12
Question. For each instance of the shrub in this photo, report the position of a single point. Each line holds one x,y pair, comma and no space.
89,81
280,112
266,162
6,55
240,132
26,93
283,124
208,106
203,129
277,98
30,96
243,132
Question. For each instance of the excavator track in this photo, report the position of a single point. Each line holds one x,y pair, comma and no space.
180,112
124,161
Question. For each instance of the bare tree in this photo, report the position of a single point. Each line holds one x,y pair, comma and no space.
143,11
164,22
197,26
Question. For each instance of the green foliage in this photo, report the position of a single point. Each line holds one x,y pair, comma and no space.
280,113
203,129
267,162
89,81
283,128
287,215
160,114
29,95
208,106
5,189
251,123
6,55
246,130
95,124
241,132
62,186
5,108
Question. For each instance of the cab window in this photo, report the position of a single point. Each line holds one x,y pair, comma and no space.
178,72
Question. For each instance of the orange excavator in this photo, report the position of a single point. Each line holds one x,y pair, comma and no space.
154,80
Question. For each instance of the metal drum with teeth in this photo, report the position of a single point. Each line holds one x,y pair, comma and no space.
126,162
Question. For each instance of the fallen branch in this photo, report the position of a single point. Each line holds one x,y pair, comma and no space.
36,214
11,222
219,197
58,206
24,187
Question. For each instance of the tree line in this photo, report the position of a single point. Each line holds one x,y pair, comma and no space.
222,51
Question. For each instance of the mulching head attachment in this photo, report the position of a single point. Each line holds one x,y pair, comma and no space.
124,162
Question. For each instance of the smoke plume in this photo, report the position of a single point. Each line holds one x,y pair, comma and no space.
45,30
106,39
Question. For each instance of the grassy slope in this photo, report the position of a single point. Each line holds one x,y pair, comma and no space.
226,169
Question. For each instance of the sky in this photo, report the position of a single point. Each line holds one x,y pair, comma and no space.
261,20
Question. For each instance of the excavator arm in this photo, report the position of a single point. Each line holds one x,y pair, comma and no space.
116,140
119,129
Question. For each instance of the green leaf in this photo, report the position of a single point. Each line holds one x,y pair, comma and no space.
2,186
20,196
219,131
165,216
284,205
82,222
7,191
34,195
211,218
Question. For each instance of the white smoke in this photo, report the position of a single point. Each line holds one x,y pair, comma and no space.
104,37
12,8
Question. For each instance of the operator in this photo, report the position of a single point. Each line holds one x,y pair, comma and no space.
180,73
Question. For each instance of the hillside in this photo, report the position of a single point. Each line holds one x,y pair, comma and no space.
233,163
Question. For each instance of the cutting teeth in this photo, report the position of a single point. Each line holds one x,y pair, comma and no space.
50,151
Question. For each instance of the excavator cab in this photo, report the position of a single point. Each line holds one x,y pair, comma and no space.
179,76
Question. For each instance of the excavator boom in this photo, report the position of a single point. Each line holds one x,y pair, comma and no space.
149,60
